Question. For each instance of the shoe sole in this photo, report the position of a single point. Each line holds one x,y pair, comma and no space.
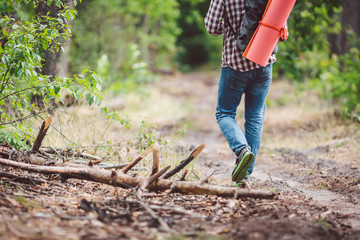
240,171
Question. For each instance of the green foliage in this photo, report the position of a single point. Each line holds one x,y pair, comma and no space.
125,39
14,137
20,61
114,116
146,136
308,54
342,84
195,45
134,74
310,24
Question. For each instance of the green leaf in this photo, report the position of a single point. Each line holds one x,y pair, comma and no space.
45,44
56,90
42,27
90,99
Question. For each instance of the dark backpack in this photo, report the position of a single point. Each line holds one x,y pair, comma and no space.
254,11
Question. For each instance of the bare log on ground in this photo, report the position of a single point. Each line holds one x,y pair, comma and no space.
41,135
185,162
24,156
184,175
123,180
151,179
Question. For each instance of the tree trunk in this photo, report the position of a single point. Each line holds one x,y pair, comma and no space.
350,24
350,20
63,62
49,63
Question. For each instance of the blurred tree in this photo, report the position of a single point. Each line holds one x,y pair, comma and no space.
108,30
195,45
324,47
310,24
350,27
24,41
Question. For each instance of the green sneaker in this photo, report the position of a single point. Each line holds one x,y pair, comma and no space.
243,163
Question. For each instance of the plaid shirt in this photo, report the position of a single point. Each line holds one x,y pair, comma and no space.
233,11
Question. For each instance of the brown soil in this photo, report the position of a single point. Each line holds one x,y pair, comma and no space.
308,157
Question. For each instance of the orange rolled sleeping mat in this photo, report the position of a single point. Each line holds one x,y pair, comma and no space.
269,31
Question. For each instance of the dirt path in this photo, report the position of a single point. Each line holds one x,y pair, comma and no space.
308,157
318,172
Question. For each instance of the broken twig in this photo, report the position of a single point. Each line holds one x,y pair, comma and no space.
151,179
138,159
155,166
185,162
42,133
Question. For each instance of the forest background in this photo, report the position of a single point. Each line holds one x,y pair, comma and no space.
57,47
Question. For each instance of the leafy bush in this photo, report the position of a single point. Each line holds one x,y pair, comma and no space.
195,46
310,24
25,41
132,38
341,83
309,55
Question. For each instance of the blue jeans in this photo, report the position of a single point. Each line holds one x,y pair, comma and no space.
233,84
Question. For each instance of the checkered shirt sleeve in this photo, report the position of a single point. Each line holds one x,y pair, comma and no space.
233,11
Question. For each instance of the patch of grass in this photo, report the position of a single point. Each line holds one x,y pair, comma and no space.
341,144
28,203
323,222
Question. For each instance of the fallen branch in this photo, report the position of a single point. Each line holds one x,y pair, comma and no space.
123,180
185,162
156,217
41,135
184,175
155,166
141,187
24,156
138,159
21,179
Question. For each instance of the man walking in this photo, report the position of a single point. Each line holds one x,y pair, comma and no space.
239,77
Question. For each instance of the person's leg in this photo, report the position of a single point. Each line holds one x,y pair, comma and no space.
232,85
255,101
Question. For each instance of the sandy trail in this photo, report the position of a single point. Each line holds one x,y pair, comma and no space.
295,165
308,157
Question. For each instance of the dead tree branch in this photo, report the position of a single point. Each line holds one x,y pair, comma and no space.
155,166
138,159
42,133
151,179
185,162
123,180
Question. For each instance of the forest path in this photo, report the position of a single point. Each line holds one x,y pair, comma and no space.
305,150
308,157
